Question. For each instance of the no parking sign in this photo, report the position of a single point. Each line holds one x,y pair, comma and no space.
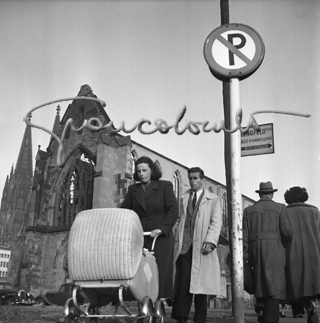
233,51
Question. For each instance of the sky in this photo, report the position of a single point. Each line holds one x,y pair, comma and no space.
145,60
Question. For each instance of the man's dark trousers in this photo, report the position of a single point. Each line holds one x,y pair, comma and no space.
183,298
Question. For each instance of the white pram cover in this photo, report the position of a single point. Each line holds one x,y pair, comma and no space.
105,249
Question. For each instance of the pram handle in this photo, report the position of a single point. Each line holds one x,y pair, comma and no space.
148,233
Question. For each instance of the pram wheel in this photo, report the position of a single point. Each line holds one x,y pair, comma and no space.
147,311
92,310
72,314
71,319
159,312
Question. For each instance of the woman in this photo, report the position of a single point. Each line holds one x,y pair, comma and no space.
303,252
156,205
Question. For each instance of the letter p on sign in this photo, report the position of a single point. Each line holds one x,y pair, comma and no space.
243,41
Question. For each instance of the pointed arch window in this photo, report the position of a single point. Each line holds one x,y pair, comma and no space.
76,191
224,210
176,184
133,162
158,165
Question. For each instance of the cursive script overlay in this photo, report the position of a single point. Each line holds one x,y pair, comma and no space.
160,124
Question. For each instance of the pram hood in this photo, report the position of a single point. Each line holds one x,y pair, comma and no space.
105,244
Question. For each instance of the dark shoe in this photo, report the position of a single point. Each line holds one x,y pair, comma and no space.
295,316
282,315
313,319
181,320
169,301
312,313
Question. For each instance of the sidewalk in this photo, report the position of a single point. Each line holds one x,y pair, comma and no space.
225,316
54,314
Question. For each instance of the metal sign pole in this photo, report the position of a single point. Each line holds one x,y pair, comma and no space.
236,200
234,52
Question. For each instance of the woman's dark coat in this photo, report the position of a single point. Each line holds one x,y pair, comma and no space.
157,208
303,252
266,230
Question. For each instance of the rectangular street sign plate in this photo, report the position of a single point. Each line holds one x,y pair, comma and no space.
256,142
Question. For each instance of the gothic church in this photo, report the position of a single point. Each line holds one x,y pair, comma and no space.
38,206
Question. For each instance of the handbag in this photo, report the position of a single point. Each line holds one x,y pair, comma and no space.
248,273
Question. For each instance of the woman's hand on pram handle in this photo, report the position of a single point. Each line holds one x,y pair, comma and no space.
153,234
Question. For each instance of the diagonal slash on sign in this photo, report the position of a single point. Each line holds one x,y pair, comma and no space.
233,49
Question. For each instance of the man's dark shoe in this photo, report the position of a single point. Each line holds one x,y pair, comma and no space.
312,313
181,320
313,319
260,319
169,301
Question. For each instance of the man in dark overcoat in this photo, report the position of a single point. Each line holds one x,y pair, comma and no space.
266,231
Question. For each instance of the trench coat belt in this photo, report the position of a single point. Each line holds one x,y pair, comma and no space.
263,236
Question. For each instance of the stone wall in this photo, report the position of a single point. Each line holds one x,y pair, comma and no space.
42,268
113,174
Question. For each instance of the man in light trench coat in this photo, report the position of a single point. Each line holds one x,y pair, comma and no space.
197,234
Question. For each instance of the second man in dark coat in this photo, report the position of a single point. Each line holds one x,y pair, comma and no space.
266,231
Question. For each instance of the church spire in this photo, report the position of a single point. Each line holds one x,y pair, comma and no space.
56,124
24,166
12,172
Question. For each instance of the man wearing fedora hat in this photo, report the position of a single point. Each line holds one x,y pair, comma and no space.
266,231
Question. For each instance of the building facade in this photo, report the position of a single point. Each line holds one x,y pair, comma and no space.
38,208
5,255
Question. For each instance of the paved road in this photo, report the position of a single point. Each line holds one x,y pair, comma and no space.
225,316
53,314
221,316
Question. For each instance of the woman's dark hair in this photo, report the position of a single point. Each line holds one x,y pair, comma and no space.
296,194
155,171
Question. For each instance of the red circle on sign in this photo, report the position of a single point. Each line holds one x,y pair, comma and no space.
249,53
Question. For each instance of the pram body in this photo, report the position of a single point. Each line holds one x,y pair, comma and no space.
107,263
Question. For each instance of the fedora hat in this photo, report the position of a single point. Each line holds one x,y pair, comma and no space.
266,188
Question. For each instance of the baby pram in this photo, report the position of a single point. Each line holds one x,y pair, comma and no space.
107,263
